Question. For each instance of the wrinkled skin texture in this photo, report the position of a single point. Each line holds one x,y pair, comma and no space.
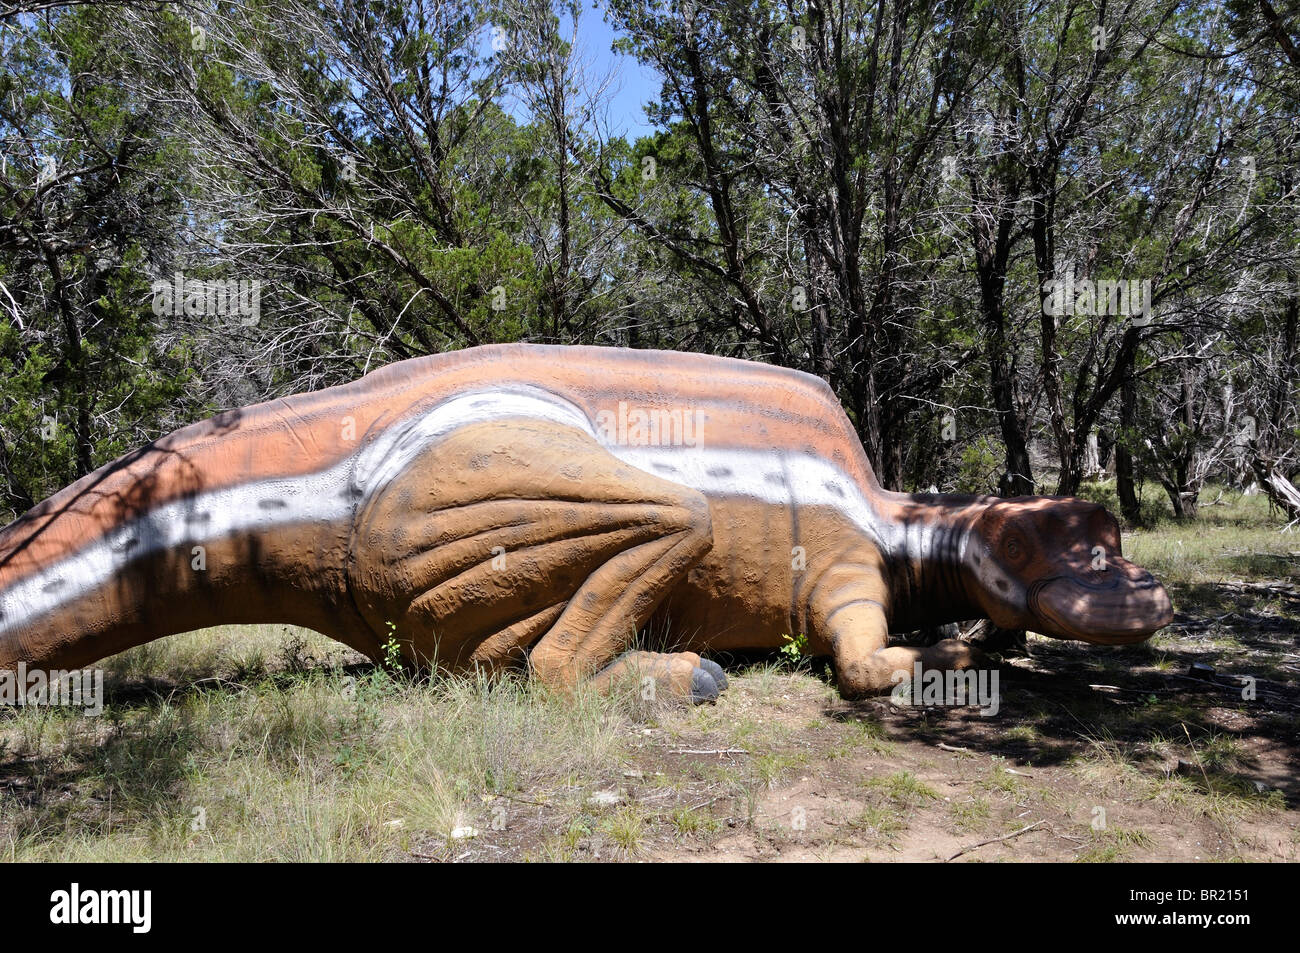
521,505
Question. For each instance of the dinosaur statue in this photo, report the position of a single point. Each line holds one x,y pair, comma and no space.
524,502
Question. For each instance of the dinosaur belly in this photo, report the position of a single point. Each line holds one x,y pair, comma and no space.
768,564
739,595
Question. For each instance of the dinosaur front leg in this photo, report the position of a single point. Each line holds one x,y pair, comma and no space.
524,539
849,613
615,602
860,671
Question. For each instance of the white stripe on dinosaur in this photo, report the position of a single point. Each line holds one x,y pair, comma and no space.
325,496
181,524
331,494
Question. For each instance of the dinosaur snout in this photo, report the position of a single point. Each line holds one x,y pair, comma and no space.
1117,606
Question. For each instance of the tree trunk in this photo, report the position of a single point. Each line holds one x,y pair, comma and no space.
1280,400
1129,506
1182,498
1092,458
1280,490
1018,480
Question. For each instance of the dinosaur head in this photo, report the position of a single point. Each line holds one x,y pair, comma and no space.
1053,565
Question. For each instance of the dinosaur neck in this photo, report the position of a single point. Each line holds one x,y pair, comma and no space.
926,535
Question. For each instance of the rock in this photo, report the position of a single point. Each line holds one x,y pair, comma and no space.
1202,671
464,833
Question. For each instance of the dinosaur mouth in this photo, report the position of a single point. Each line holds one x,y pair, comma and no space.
1125,610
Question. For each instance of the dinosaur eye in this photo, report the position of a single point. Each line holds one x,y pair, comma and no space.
1013,548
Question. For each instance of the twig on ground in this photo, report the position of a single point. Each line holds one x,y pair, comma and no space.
440,858
521,800
993,840
1056,833
1196,754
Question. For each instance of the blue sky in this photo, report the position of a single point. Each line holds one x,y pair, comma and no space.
634,84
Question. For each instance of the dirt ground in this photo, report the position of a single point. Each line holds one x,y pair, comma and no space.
1095,754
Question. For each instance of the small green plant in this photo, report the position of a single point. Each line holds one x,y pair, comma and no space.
971,814
295,655
1113,844
689,820
392,650
864,735
577,829
350,760
904,788
626,829
878,822
1025,733
795,649
769,768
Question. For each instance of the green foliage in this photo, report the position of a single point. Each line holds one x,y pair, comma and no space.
1100,492
391,658
795,649
1152,509
92,198
812,198
981,462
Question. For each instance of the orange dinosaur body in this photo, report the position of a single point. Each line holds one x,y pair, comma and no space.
525,502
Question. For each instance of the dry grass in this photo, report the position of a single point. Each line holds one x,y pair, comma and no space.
260,762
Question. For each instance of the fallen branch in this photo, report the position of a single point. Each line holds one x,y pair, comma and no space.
521,800
1201,623
1136,691
440,858
1054,832
992,840
1280,491
706,803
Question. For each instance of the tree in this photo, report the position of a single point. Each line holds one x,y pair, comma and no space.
89,200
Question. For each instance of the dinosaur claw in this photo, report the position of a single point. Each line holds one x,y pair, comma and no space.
703,687
714,669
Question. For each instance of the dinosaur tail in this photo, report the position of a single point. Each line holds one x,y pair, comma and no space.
241,518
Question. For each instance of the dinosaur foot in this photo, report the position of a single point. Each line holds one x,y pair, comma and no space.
682,675
881,673
714,670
